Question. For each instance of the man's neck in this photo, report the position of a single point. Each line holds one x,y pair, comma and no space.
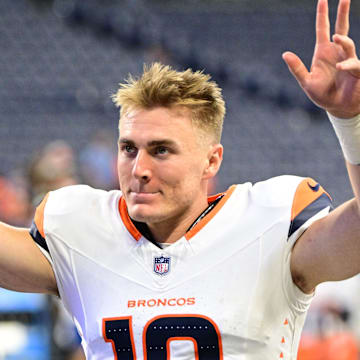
170,232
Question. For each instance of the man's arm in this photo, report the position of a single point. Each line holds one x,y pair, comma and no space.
23,267
330,247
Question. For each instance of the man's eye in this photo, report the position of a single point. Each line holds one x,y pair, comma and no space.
162,150
128,149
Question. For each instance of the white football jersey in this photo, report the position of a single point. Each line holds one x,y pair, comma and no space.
222,291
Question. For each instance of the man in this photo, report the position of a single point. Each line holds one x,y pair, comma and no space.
159,270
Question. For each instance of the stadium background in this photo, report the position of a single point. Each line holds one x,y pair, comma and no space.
61,60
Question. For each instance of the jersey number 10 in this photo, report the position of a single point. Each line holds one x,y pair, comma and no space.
158,334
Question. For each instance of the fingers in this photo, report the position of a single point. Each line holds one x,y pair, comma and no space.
296,67
342,19
347,44
322,22
350,65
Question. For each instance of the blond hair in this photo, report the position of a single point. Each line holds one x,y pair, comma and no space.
160,85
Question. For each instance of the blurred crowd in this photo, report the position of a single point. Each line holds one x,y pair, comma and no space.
332,327
51,167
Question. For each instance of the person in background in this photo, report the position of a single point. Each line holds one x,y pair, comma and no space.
97,161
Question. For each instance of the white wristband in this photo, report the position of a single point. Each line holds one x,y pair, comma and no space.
348,133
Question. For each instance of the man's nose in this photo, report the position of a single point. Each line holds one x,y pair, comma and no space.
142,166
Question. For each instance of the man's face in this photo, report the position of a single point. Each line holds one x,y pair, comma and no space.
161,165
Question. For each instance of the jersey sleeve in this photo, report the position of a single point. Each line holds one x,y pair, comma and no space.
57,213
310,202
289,204
68,224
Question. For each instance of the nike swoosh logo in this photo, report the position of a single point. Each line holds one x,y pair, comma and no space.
314,188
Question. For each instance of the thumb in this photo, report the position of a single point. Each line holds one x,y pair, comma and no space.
296,67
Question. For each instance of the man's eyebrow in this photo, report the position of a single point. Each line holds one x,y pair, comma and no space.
125,141
160,142
163,142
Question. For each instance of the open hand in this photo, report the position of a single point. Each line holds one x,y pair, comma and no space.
333,82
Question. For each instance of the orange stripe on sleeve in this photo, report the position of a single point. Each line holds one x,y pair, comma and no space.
39,216
127,221
307,192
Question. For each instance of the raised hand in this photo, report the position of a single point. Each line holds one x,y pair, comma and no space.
333,82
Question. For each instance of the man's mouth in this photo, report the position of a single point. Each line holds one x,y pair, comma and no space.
142,196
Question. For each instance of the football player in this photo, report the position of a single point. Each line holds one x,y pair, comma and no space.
159,270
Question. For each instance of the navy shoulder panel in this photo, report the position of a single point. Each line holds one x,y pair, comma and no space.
38,238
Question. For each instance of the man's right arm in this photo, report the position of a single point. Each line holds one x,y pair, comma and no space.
23,267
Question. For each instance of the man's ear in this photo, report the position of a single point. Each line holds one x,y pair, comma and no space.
215,156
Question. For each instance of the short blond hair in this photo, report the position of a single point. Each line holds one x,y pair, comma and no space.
160,85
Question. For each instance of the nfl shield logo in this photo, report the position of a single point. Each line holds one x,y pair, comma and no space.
161,265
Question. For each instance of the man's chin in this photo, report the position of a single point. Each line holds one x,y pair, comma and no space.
142,213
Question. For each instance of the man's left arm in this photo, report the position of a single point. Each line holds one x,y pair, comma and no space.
330,248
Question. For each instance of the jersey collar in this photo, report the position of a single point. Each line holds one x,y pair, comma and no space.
194,229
